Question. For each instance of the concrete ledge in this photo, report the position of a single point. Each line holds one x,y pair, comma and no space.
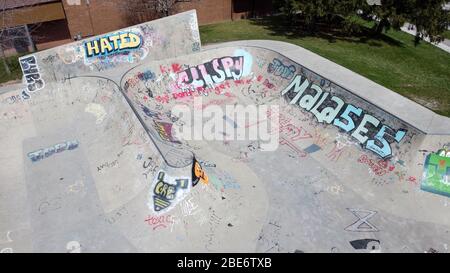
405,109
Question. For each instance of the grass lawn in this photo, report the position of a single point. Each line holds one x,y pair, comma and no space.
16,72
447,34
421,73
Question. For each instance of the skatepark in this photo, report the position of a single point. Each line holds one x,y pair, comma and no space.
93,159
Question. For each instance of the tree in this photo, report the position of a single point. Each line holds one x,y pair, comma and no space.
165,7
430,19
12,35
312,12
429,16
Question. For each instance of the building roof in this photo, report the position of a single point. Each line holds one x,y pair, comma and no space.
12,4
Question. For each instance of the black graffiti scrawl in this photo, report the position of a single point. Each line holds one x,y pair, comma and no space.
31,73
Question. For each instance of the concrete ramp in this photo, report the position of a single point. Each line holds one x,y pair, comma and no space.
152,155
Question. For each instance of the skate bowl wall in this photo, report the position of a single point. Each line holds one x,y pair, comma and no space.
92,161
167,37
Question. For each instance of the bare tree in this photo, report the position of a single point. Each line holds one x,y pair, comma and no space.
165,7
11,35
139,11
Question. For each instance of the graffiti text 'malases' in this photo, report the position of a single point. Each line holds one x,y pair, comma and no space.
365,128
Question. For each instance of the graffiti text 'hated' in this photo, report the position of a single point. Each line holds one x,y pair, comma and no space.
113,43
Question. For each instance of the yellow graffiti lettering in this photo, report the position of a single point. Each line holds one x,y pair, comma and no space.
160,188
115,39
105,45
92,48
116,42
135,40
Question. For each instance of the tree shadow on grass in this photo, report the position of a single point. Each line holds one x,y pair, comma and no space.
332,33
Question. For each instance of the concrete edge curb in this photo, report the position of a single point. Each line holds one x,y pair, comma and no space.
395,104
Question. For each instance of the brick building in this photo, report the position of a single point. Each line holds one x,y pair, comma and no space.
47,23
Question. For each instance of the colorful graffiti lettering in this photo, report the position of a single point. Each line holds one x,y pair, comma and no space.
365,128
47,152
279,69
436,172
114,43
213,72
164,130
31,73
198,175
164,193
141,76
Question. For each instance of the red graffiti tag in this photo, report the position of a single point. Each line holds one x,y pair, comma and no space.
159,221
380,167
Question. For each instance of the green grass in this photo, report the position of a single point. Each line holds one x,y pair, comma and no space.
16,72
421,73
447,34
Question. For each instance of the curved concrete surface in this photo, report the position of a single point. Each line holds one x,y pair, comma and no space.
93,161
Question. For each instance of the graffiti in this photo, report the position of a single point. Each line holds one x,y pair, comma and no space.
73,247
97,110
207,164
368,244
13,99
47,152
294,132
178,158
363,224
111,44
436,172
7,250
141,76
260,62
164,130
279,69
50,205
149,166
31,73
111,164
151,113
268,84
212,72
380,167
195,46
336,151
198,175
376,137
188,208
412,180
8,238
76,187
223,181
298,151
165,193
336,189
159,221
431,250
